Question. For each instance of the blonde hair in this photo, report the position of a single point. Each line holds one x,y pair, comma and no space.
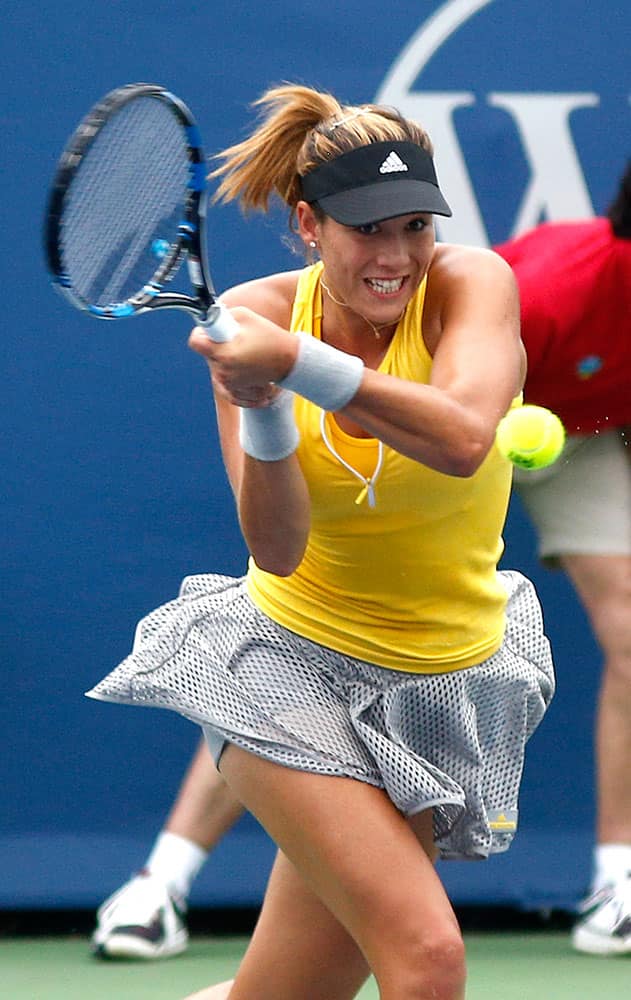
300,129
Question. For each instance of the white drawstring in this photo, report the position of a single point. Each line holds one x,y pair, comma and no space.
368,489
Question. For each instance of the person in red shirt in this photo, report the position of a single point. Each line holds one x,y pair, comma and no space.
575,286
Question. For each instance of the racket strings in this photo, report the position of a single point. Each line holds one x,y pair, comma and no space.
125,203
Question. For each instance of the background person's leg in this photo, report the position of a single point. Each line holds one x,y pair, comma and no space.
145,918
603,584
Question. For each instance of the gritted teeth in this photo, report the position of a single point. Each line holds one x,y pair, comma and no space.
386,285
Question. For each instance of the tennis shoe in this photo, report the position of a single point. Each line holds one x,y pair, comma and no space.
604,925
141,920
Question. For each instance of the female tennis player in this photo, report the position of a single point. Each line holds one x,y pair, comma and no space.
368,688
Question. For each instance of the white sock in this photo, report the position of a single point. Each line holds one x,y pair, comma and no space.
612,863
176,861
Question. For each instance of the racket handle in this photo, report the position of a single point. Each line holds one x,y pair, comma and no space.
219,324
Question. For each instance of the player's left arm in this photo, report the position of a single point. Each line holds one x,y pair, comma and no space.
471,325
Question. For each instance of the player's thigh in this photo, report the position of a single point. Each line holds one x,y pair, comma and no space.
354,850
422,825
298,947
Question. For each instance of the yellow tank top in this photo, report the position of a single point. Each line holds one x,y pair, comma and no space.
409,583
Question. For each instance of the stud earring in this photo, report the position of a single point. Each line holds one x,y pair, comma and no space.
313,244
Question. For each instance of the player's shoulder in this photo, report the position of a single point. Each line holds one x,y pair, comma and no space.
271,296
454,262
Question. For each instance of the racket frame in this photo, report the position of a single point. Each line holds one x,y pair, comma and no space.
190,243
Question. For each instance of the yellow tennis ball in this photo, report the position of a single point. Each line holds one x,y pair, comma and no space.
530,437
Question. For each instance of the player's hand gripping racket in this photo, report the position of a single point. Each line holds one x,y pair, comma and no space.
128,205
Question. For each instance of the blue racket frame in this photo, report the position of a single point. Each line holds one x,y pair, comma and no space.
190,243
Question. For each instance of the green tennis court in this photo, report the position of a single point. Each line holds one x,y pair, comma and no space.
509,966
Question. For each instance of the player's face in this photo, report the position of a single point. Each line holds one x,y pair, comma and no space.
375,269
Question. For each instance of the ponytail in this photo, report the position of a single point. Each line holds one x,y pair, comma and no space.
300,129
266,162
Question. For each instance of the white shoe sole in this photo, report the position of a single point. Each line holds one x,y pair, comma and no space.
591,943
133,947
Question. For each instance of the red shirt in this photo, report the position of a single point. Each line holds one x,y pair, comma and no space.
575,286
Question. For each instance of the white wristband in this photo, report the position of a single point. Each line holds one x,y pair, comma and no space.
269,433
324,375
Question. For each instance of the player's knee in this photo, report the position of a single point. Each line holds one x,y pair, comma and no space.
432,965
444,957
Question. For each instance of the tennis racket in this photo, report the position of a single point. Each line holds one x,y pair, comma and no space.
127,207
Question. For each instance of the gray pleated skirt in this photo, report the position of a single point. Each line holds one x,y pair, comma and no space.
453,742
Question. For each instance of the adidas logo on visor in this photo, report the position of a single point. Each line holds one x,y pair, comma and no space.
393,164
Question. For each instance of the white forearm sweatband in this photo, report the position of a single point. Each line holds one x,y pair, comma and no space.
269,433
327,377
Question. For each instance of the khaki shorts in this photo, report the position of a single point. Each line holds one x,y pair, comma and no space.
581,505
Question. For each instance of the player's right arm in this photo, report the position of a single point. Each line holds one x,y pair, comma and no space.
272,497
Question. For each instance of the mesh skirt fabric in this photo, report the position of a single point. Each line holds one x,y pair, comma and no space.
452,741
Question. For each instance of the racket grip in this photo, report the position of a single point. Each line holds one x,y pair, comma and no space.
219,324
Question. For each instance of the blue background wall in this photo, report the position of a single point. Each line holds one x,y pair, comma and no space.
112,485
